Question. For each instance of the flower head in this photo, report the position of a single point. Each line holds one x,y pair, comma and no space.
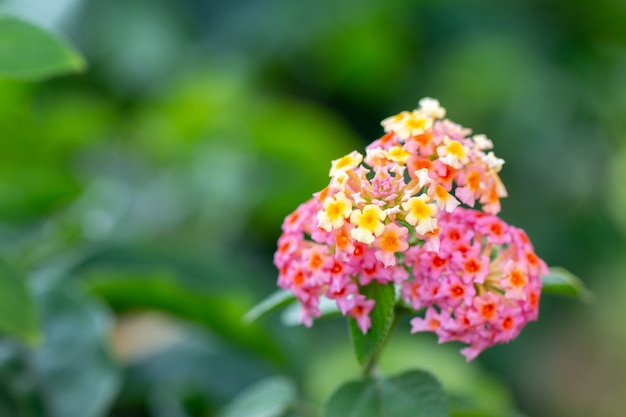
392,217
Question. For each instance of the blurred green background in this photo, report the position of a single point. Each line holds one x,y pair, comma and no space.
142,199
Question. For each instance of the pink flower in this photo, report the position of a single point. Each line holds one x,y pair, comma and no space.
393,217
430,323
490,290
360,312
390,242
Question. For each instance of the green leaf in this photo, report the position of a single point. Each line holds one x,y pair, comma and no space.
366,346
30,52
18,315
414,393
272,397
275,301
562,282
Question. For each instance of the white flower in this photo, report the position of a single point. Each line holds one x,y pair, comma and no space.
431,107
482,142
493,161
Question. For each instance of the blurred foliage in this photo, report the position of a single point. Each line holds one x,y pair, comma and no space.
140,202
32,53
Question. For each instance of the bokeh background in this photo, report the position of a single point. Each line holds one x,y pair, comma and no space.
142,199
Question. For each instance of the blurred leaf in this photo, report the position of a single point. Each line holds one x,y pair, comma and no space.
210,273
35,177
272,397
18,315
197,367
414,393
30,52
366,346
220,311
275,301
20,394
562,282
77,375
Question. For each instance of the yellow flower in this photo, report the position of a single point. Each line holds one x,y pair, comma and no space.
406,124
390,122
453,153
336,209
397,154
369,223
421,214
345,163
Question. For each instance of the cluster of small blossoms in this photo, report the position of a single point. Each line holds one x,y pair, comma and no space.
310,268
482,286
448,152
379,220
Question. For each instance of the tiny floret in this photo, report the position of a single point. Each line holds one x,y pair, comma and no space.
336,209
368,222
421,214
431,107
453,153
345,163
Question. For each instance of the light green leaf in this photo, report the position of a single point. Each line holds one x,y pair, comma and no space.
275,301
562,282
30,52
414,393
366,346
18,315
272,397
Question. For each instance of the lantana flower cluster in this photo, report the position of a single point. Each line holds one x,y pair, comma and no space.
482,286
393,216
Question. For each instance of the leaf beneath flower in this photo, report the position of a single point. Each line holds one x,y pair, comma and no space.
275,301
366,346
562,282
413,393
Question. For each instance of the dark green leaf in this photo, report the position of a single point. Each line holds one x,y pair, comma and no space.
414,393
30,52
272,397
275,301
366,346
562,282
18,317
20,394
